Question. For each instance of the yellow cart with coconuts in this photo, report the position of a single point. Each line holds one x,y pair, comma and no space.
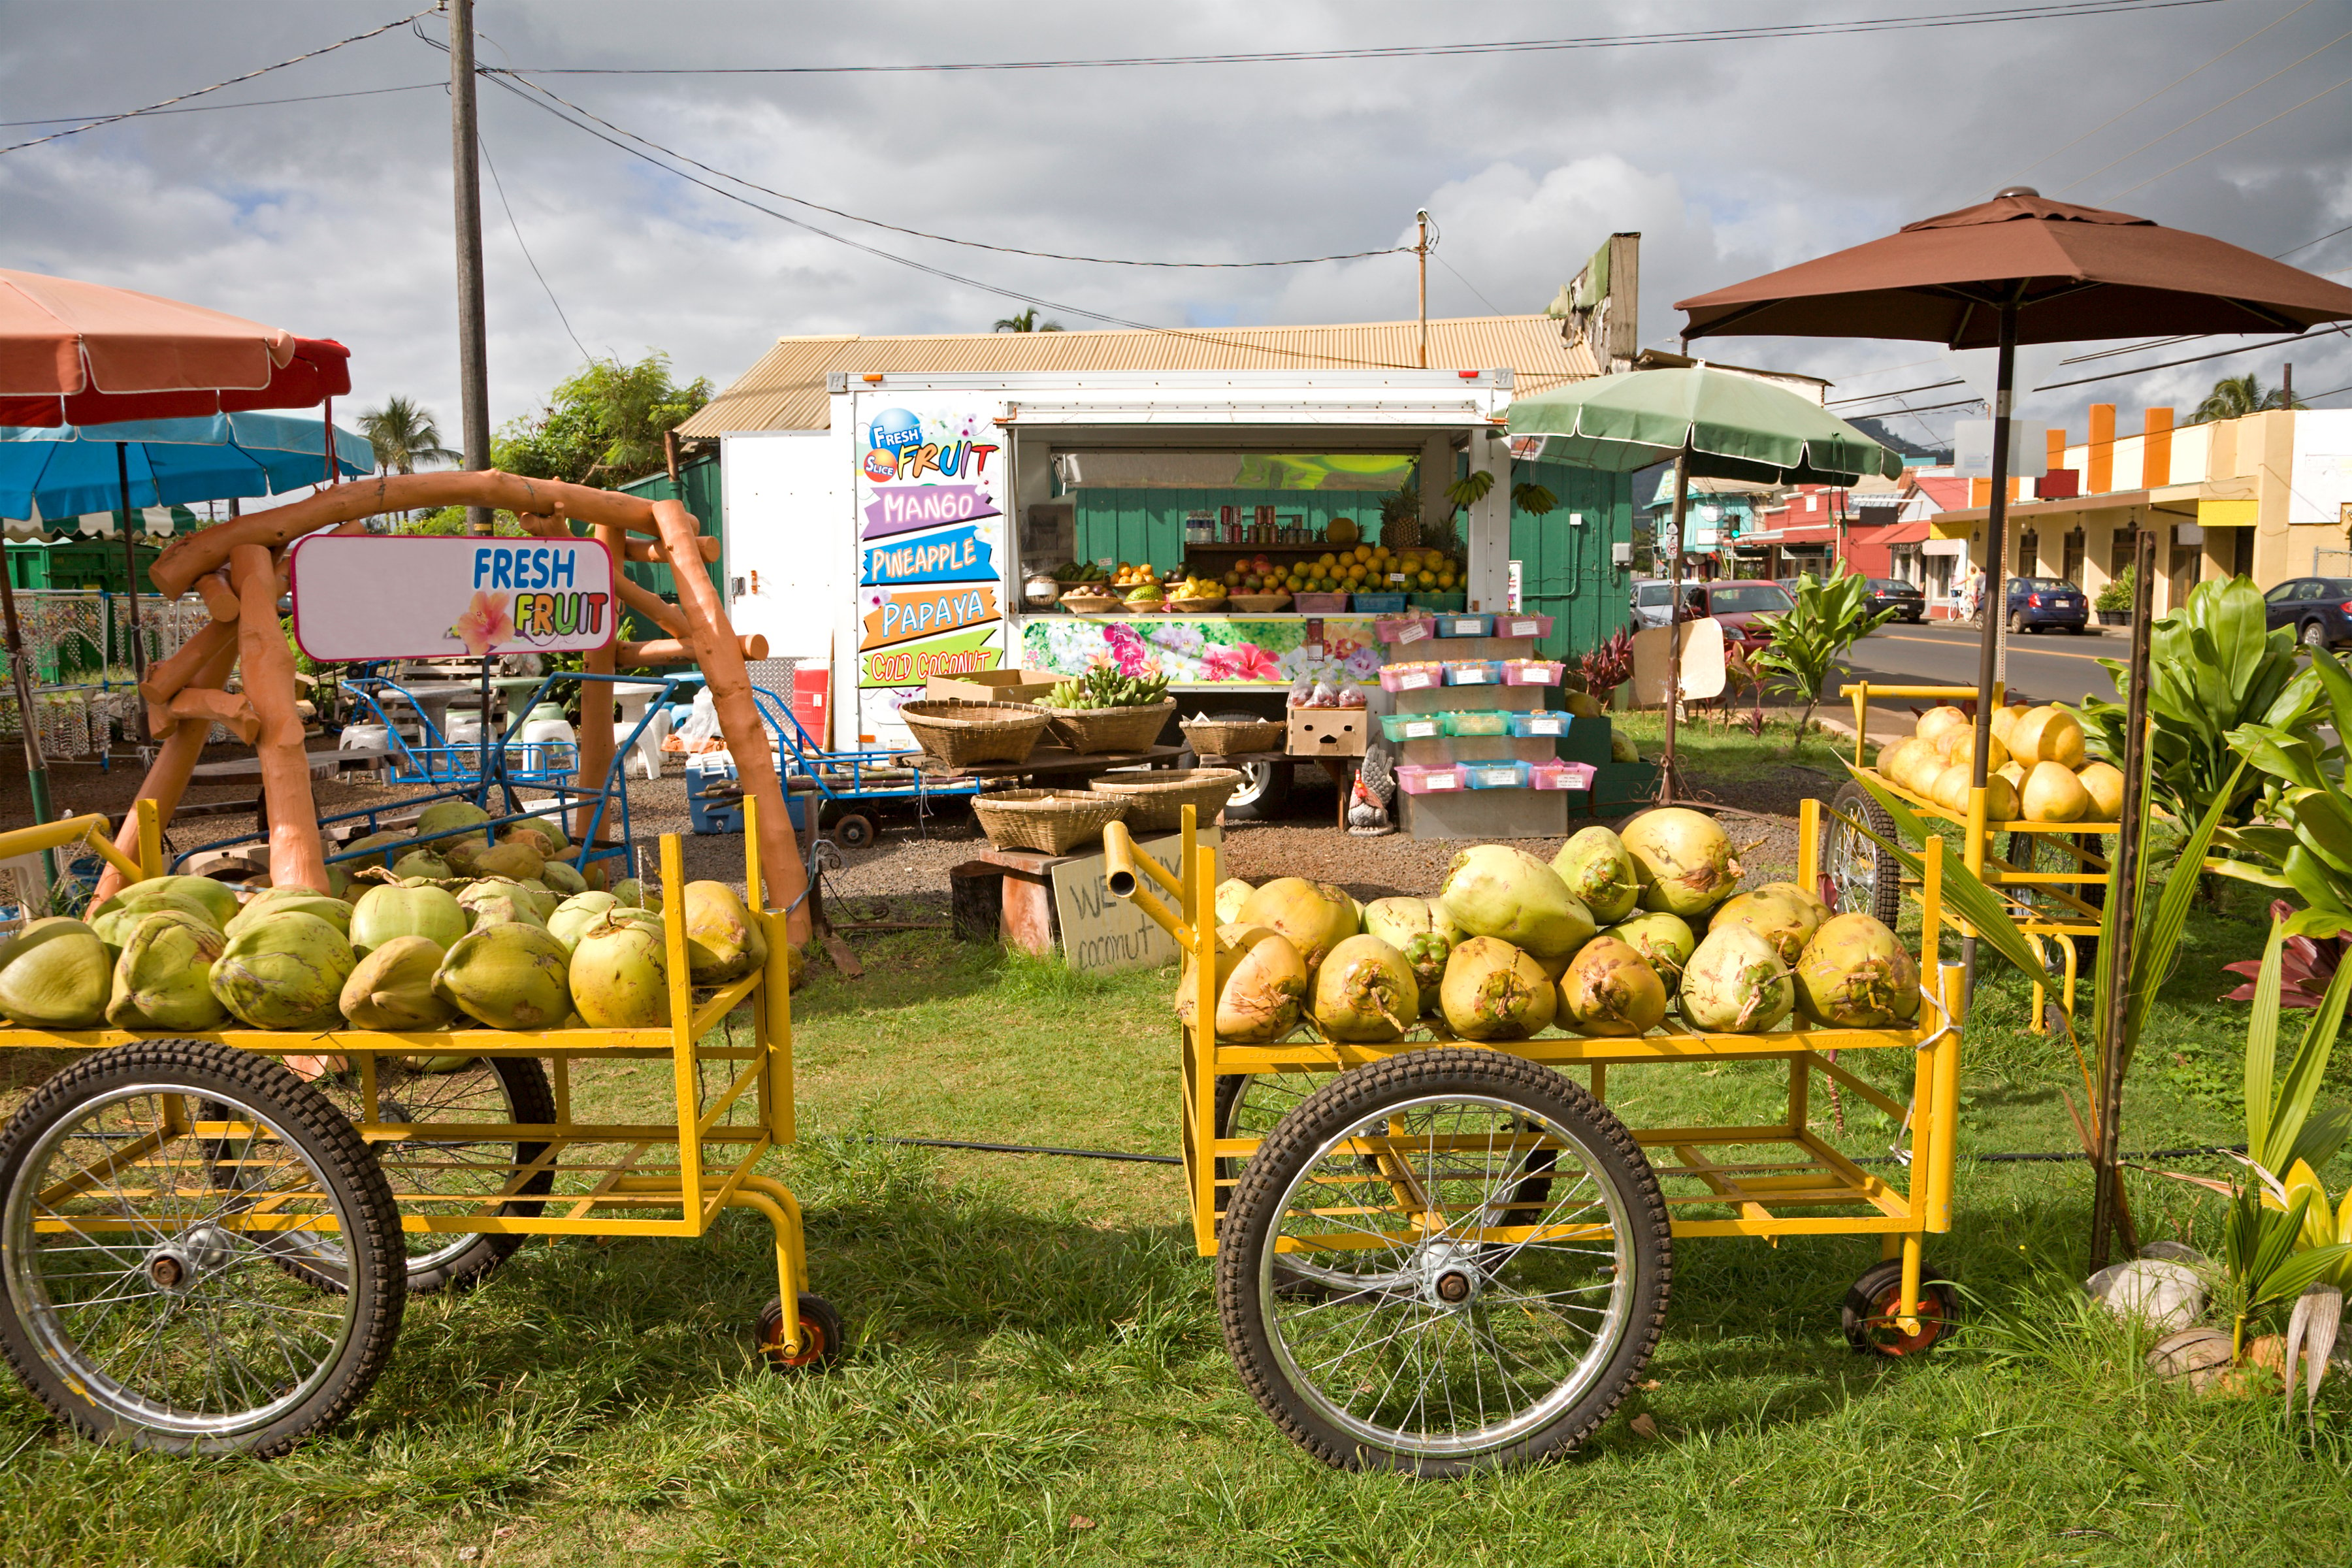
206,1240
1435,1255
2054,873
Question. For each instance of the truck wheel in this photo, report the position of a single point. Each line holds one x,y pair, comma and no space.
1265,790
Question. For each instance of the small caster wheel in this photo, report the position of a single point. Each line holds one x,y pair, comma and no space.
1868,1312
822,1337
853,831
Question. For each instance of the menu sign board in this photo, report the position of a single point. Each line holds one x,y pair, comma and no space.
373,595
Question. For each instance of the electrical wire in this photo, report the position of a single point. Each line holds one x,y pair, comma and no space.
252,103
2306,245
1936,20
199,93
2241,136
499,186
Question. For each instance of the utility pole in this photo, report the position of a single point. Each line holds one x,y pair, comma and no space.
473,352
2286,384
1420,250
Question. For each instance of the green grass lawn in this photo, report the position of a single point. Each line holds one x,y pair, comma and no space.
1037,1374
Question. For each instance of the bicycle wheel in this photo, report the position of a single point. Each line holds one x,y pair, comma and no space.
444,1176
142,1304
1459,1328
1857,877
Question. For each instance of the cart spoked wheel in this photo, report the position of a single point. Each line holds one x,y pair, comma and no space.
144,1303
1858,876
1457,1324
1249,1105
853,831
824,1339
1868,1312
442,1176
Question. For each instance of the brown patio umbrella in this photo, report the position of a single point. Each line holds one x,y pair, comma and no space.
2020,269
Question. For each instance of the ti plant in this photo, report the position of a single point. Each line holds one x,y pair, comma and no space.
2307,966
1609,666
1809,636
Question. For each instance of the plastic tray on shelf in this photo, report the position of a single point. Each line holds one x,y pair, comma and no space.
1411,677
1518,625
1489,723
1440,603
1379,604
1560,775
1429,778
1451,625
1494,776
1542,721
1412,726
1532,672
1473,672
1318,604
1406,629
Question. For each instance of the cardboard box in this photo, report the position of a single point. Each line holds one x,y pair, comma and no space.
991,686
1328,731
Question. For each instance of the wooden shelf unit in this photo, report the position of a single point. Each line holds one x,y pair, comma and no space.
1477,813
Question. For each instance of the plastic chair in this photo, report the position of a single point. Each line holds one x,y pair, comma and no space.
647,752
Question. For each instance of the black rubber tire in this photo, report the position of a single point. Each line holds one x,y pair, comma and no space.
853,831
1364,1091
2314,634
824,1338
1265,793
1867,1300
2016,623
1884,901
530,1099
207,1071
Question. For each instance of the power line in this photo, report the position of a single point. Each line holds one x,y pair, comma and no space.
216,107
199,93
2241,136
2306,245
2061,12
499,186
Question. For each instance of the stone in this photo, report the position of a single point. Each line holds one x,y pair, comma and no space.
2155,1293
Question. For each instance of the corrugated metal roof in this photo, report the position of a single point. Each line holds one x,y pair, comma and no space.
785,390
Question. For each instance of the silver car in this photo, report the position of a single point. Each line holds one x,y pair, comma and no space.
1652,599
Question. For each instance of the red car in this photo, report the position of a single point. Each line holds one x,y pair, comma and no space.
1737,605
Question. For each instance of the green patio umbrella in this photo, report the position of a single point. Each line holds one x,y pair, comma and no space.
1712,424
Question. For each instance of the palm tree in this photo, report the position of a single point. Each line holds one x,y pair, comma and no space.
403,435
2234,396
1027,322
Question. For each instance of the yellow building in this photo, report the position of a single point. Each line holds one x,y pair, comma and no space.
2268,496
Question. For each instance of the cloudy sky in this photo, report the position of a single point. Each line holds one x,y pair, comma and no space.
333,216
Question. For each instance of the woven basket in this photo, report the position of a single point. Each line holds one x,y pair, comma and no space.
961,733
1159,798
1090,730
1232,737
1052,821
1092,604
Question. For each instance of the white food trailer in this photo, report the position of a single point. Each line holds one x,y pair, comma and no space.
893,545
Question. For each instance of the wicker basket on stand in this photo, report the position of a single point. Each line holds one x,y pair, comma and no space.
1232,737
1052,820
1092,730
961,733
1158,799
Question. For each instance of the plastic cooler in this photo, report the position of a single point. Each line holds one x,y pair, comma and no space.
1429,778
1542,721
1473,672
1407,630
1560,775
1412,726
1394,679
1465,625
1478,723
1494,776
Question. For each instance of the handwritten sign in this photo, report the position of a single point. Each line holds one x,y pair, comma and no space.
1102,933
374,595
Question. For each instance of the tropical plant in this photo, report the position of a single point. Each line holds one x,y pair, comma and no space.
1609,666
2307,966
403,435
602,426
2235,397
1527,495
1809,637
1025,322
2117,594
2298,837
2213,667
450,522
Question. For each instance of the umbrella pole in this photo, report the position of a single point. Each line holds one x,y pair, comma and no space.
1987,635
36,768
130,579
1674,623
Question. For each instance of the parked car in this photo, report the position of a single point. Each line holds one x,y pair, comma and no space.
1652,594
2319,609
1737,605
1893,593
2037,604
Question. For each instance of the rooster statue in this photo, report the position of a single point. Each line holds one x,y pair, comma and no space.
1368,798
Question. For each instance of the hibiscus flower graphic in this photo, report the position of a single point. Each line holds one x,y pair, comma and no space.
1128,654
1242,661
485,625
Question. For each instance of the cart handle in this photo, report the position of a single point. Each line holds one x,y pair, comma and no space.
94,830
1119,864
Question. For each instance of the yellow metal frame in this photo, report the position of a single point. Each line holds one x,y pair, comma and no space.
2066,888
699,1164
1800,1171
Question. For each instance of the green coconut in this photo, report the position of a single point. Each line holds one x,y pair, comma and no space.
544,833
1365,991
562,878
163,981
723,942
630,891
1684,860
1231,895
517,858
391,987
1493,991
447,816
1427,954
383,913
1500,892
1812,901
1786,922
1313,917
542,898
1261,981
115,925
1735,984
375,849
1664,941
509,976
1855,974
422,864
489,902
575,915
619,972
284,972
1599,874
271,902
1610,990
218,899
55,974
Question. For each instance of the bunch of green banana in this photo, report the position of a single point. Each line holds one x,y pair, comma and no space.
1105,688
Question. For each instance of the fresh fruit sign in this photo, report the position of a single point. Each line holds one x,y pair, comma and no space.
360,596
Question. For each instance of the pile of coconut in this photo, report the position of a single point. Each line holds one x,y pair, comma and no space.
1603,942
414,945
2037,769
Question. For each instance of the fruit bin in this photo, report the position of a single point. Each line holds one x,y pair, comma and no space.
1487,723
1473,672
1501,774
1429,778
1561,775
1532,672
1408,1203
1406,629
1465,625
1412,726
279,1194
1543,721
1411,677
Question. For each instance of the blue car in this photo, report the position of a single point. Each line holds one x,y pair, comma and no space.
2037,604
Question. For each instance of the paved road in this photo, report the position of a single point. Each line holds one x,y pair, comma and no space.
2049,666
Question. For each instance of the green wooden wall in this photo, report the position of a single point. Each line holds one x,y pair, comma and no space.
698,488
1564,570
1140,525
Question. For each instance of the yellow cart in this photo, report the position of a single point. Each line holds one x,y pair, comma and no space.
206,1240
1435,1255
2054,873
